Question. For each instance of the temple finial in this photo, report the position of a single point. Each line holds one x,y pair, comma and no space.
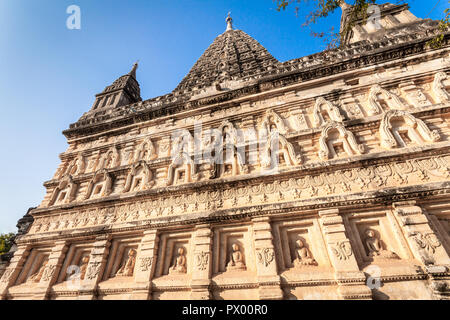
229,22
133,71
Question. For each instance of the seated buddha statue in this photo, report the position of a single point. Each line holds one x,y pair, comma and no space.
179,265
236,259
127,268
375,247
36,277
303,256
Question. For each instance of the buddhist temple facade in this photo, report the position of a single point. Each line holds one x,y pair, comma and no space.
323,177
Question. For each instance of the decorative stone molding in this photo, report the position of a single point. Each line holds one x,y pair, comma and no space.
371,177
422,239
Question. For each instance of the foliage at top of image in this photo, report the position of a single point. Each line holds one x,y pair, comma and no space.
444,25
358,11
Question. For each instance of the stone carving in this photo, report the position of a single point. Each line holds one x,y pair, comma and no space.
342,250
265,256
83,266
48,273
111,159
229,156
375,247
303,256
77,167
415,129
325,111
146,151
100,185
94,162
273,120
7,275
278,145
391,99
93,270
37,276
439,89
368,178
182,169
146,263
127,269
344,137
236,261
428,242
179,265
65,192
201,260
140,178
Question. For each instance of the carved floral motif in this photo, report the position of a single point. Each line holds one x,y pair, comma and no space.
265,256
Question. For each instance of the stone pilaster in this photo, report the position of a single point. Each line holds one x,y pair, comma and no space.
422,239
350,279
201,271
13,271
425,245
266,264
51,271
97,264
145,266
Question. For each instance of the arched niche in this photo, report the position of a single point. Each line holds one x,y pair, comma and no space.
181,170
271,120
140,178
65,192
400,129
77,166
379,97
111,159
100,185
146,151
279,151
229,159
325,111
335,138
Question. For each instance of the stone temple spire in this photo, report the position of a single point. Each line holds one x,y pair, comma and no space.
229,22
133,71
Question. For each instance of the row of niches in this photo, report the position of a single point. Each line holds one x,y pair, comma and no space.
300,252
231,154
306,188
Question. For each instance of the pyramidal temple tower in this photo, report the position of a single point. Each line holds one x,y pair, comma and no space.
322,177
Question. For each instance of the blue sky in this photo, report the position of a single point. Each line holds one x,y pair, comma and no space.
50,75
